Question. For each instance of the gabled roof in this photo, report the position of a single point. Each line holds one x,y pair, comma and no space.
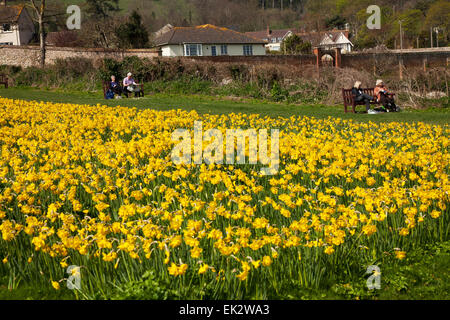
163,30
344,39
274,34
10,14
325,37
204,34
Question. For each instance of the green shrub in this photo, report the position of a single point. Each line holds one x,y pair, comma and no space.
72,68
238,72
278,93
31,76
148,288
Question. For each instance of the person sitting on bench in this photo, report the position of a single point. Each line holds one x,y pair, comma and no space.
130,85
384,97
115,87
359,95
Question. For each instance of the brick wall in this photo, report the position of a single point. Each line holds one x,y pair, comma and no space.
27,56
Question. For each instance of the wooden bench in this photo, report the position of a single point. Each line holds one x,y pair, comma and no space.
350,101
4,80
107,83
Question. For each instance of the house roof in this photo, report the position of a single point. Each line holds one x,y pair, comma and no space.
205,34
10,14
273,34
317,38
334,36
163,30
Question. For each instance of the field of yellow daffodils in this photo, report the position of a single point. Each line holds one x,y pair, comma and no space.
94,187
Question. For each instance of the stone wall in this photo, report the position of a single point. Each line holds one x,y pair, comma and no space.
294,60
385,60
366,61
380,62
27,56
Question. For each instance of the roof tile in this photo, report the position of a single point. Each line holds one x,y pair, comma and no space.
205,34
10,14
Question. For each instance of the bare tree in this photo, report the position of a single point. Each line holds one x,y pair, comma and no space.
39,9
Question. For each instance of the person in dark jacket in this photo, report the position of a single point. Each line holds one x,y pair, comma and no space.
359,95
115,87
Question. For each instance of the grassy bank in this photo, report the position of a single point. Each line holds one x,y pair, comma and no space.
269,82
222,105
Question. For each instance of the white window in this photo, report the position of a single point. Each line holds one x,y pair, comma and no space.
248,50
224,50
193,50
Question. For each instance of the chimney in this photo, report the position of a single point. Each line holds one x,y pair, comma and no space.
269,32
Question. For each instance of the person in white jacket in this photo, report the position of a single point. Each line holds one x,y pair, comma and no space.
129,85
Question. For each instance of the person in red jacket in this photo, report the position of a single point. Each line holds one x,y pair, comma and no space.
385,97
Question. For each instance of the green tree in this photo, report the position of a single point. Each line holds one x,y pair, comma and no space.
100,22
439,16
341,5
412,26
424,5
370,38
336,22
133,34
102,8
295,45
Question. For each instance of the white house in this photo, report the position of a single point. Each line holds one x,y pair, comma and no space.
336,40
273,37
208,40
328,40
16,25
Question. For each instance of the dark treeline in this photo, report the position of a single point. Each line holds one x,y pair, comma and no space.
103,18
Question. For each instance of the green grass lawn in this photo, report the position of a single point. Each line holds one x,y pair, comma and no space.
219,105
